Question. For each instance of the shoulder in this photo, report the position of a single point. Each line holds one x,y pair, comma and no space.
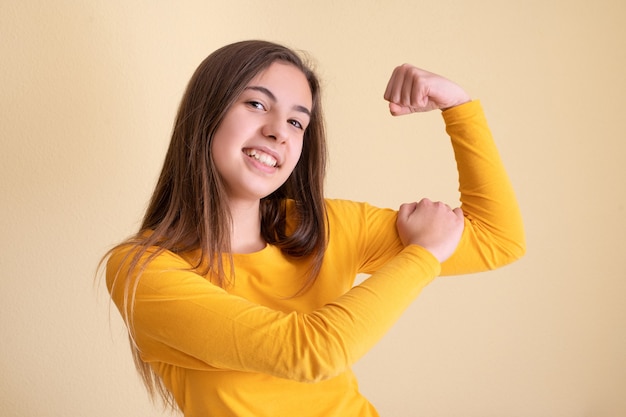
359,219
127,253
347,210
362,232
129,259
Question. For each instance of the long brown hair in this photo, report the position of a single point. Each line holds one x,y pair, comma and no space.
188,209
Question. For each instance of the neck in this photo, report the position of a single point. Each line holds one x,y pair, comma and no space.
246,233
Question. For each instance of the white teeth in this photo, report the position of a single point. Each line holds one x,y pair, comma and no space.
263,158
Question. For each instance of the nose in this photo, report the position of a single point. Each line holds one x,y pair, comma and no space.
275,129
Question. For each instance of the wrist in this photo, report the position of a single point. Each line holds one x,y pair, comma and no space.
459,103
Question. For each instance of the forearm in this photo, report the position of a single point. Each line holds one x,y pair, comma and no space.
180,318
494,234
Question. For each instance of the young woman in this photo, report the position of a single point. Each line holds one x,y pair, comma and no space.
238,290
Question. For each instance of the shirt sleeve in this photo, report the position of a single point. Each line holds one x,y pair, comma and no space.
493,235
494,232
177,316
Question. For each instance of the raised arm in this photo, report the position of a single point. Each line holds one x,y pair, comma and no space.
493,235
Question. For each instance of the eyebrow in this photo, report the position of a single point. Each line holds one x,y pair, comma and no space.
272,97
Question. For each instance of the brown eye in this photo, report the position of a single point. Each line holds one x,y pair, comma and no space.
256,105
296,124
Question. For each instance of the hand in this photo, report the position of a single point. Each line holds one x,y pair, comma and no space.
432,225
411,90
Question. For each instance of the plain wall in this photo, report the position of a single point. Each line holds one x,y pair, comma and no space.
88,92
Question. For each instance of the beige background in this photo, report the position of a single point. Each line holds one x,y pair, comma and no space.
88,91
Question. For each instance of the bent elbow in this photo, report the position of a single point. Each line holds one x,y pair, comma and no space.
513,252
501,246
505,251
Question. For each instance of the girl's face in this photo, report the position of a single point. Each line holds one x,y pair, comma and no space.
259,141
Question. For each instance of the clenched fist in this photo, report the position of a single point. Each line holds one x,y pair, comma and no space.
432,225
411,90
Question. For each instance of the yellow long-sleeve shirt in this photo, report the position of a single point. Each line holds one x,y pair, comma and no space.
254,350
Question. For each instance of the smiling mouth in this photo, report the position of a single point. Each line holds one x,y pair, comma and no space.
262,157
